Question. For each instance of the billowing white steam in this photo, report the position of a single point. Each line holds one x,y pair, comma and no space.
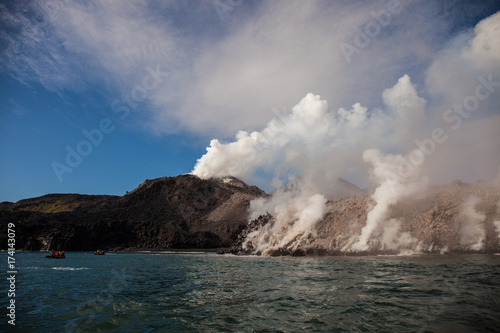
472,229
496,182
317,143
320,146
282,147
395,183
296,209
497,227
295,215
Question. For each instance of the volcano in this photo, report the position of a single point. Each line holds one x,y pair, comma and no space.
186,212
165,213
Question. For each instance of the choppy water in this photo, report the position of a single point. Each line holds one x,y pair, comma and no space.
199,292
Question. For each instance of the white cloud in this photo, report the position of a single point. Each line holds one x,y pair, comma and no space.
287,50
471,152
484,49
455,69
230,75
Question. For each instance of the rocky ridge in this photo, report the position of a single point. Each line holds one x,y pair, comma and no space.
165,213
435,223
188,212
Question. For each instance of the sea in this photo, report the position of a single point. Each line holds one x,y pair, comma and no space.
207,292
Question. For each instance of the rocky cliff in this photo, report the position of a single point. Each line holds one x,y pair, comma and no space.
166,213
189,212
453,218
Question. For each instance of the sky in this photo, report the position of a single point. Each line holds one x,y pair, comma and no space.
97,96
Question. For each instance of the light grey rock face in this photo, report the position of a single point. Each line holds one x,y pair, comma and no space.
456,218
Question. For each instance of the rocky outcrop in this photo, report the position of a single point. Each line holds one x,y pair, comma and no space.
244,243
188,212
166,213
453,218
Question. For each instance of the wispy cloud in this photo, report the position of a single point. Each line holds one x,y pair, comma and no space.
230,74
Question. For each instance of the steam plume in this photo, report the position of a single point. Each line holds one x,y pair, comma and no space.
496,183
393,186
320,146
314,145
472,230
317,143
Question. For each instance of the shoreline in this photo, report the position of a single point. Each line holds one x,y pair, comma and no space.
225,252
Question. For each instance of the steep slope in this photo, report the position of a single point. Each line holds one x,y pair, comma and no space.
339,190
457,218
164,213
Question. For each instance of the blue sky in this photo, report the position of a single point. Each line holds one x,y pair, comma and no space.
193,71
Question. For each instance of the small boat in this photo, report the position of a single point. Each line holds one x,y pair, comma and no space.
56,255
99,253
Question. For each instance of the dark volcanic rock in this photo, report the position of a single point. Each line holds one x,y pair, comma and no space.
242,246
165,213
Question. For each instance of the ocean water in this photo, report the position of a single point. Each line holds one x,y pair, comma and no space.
205,292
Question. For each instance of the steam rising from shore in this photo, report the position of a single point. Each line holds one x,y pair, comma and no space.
386,170
321,144
295,213
496,183
473,234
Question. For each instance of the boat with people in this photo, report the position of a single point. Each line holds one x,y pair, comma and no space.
99,253
56,255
